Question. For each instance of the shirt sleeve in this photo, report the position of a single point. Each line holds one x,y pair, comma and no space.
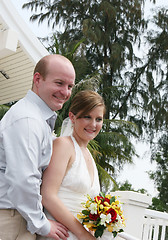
24,143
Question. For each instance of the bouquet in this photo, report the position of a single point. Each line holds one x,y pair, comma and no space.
102,212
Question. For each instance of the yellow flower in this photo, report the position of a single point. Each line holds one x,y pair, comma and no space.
108,196
79,216
88,197
106,208
110,228
90,225
101,206
107,204
87,204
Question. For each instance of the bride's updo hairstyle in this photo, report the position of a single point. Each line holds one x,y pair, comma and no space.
84,101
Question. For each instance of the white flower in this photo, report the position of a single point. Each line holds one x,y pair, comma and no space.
105,219
93,208
118,225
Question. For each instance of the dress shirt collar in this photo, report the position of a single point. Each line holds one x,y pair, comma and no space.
48,115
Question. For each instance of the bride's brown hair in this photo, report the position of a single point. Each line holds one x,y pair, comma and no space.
84,101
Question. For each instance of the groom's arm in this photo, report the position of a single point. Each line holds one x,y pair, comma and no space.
22,142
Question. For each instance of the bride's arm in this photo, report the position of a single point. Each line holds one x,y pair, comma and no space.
52,179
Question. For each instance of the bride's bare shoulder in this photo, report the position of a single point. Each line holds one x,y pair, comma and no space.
64,146
64,142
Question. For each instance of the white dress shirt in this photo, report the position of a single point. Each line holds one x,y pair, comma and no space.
25,151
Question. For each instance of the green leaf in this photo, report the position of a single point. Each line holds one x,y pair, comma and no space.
112,200
114,233
102,194
99,231
85,212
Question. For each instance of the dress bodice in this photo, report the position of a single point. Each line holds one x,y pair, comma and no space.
77,182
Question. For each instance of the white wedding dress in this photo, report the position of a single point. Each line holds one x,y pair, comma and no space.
74,188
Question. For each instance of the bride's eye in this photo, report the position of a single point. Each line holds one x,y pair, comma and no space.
86,116
99,119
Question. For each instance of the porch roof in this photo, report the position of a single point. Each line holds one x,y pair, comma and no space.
20,50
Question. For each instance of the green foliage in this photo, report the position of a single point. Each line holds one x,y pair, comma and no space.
73,50
3,110
157,67
126,186
134,89
160,176
100,37
115,143
158,205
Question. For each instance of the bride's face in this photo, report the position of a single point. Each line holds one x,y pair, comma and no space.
87,127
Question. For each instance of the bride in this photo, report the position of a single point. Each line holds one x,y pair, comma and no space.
72,173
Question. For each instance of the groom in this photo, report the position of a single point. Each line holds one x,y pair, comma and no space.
25,151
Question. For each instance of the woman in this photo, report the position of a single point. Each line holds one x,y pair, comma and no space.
72,171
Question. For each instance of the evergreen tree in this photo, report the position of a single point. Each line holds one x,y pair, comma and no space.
160,176
134,88
126,186
110,29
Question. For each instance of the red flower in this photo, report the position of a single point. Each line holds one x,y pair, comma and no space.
97,198
93,217
107,200
113,214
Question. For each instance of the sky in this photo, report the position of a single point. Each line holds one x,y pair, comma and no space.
136,173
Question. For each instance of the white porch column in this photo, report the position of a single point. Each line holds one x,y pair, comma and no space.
134,205
8,42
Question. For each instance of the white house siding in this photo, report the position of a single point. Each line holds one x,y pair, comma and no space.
19,68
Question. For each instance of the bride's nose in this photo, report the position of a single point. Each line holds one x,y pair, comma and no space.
93,123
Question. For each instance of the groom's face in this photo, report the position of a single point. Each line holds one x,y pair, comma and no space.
56,88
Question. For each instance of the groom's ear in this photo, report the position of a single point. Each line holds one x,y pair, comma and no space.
36,78
72,117
36,81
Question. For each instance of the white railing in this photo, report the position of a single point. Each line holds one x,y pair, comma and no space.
127,236
154,226
141,223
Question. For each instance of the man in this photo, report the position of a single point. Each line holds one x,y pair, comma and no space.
25,151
